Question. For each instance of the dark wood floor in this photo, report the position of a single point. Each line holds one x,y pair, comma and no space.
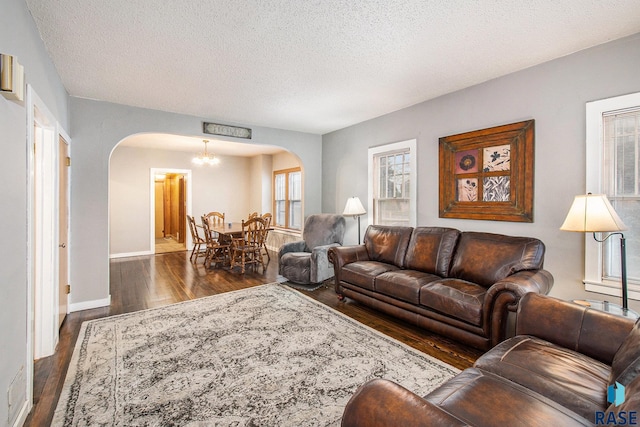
138,283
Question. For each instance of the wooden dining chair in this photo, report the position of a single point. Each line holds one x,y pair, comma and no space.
247,249
198,241
216,219
268,217
253,215
218,253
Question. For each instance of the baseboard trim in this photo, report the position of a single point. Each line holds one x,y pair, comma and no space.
88,305
130,254
22,416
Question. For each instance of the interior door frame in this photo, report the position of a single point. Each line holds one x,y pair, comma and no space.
62,137
42,330
152,203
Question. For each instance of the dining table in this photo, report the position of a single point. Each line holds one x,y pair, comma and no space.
231,229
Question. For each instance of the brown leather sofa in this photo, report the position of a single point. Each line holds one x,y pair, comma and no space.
555,372
458,284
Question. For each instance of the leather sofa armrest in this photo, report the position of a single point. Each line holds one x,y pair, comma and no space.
340,256
503,297
519,284
383,403
594,333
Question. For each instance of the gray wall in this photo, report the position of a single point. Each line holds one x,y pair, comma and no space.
19,37
96,128
554,94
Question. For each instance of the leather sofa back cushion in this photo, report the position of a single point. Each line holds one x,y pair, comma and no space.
431,250
626,363
387,244
486,258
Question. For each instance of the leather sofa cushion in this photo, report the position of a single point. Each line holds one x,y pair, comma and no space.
572,379
626,363
456,298
364,273
486,258
387,244
403,284
483,399
431,250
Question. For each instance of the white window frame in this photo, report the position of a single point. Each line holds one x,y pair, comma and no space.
413,189
287,201
593,270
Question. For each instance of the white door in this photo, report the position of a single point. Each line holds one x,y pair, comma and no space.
63,228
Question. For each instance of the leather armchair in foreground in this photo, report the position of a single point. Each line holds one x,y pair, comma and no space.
556,371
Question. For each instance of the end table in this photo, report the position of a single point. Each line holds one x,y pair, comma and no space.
609,307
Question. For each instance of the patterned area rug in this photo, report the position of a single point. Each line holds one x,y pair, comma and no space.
264,356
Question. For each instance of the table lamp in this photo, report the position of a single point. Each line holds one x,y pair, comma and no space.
354,208
593,213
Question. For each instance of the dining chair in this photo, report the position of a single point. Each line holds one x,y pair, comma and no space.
253,215
217,252
247,249
198,241
216,219
268,217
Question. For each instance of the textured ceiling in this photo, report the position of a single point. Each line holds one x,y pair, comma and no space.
312,66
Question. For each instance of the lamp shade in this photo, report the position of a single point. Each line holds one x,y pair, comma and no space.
592,213
354,207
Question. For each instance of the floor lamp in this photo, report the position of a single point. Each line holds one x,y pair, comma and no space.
592,213
354,208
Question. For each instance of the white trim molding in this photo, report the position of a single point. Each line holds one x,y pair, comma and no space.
88,305
593,270
411,144
130,254
152,208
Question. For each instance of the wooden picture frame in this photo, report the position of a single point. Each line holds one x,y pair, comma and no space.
488,174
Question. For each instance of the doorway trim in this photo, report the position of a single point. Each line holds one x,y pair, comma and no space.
42,330
62,136
152,203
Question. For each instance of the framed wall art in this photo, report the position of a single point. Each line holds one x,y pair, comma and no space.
488,174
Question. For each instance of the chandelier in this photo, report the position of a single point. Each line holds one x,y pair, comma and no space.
206,158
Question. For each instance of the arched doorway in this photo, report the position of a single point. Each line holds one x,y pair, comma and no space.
240,184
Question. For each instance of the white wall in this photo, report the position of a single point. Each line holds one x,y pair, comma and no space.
214,188
19,37
96,128
260,184
554,94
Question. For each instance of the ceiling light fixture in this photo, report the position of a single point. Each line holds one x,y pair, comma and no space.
206,158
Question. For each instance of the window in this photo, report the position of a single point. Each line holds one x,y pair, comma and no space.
392,192
613,168
287,202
